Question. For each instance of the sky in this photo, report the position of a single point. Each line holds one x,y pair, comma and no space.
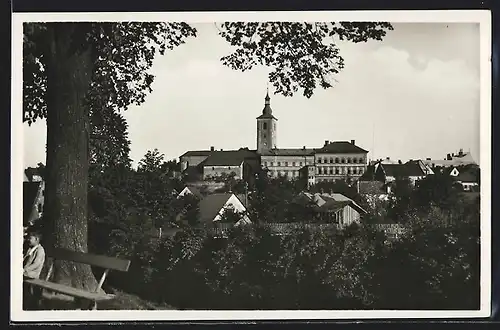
411,96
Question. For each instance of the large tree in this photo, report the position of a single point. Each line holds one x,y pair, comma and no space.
73,71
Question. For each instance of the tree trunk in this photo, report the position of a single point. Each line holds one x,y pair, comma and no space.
69,72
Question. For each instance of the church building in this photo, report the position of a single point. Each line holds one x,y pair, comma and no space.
334,160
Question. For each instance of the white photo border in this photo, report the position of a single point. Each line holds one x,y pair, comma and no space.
483,17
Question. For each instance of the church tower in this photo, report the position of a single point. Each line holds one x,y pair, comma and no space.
266,127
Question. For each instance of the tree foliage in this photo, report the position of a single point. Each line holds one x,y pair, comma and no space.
122,53
303,55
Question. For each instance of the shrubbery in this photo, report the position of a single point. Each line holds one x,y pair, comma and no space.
433,264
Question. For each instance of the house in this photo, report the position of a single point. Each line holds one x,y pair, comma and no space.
190,191
212,164
33,201
212,208
461,158
387,173
335,207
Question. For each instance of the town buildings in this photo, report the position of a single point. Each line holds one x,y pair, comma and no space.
458,159
334,160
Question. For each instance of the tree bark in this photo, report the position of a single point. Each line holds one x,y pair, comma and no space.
69,71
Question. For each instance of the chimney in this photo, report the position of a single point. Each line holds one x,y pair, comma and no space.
461,152
427,159
304,148
387,158
326,142
221,150
212,148
352,141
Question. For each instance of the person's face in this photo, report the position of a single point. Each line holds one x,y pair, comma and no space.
33,240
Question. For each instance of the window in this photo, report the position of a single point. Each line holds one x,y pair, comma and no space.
348,171
348,160
337,160
213,168
265,125
343,160
300,164
319,160
229,167
331,170
293,164
272,164
286,163
279,163
337,170
331,160
361,161
354,160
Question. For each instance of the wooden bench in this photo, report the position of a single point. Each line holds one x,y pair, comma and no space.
104,262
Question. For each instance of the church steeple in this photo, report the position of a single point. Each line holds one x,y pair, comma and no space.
267,112
266,127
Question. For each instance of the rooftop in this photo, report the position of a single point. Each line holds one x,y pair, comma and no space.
340,147
211,205
402,170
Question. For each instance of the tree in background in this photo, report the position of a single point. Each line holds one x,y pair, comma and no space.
72,70
400,199
439,190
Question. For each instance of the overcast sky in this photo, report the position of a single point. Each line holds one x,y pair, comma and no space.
413,95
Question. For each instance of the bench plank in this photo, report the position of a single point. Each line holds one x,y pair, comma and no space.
74,292
90,259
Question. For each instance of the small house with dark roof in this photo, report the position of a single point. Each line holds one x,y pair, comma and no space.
332,208
390,172
212,208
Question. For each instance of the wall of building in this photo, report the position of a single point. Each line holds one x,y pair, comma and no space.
285,165
216,171
350,215
191,161
331,167
266,134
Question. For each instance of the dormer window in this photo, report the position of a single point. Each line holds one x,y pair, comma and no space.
265,126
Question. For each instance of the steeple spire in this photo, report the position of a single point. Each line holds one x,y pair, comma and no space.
267,112
268,99
267,104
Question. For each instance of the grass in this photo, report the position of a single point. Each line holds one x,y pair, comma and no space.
122,301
